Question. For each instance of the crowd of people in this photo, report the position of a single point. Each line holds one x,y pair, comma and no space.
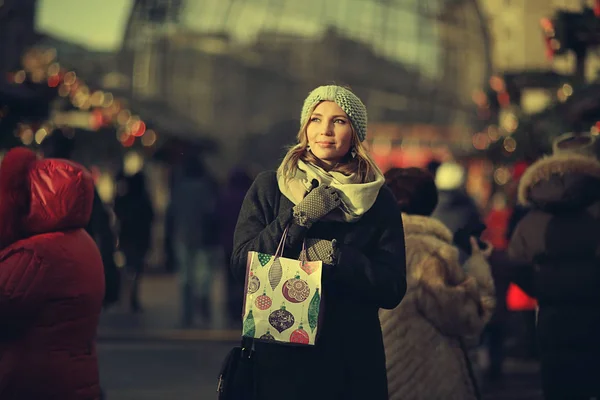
415,276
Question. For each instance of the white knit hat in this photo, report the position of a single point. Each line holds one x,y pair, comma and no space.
348,101
450,176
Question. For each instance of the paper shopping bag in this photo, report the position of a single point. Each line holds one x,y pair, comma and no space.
283,299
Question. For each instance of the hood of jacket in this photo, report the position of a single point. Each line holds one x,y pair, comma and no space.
41,196
427,235
561,182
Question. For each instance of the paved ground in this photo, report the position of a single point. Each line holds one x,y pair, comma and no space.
147,357
161,371
187,370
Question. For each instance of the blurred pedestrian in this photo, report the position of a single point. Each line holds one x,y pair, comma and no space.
135,213
328,190
444,306
557,245
195,237
51,280
229,204
456,209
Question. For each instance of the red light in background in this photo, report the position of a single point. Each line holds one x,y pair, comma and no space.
53,81
597,8
127,140
138,129
96,120
548,28
549,49
503,99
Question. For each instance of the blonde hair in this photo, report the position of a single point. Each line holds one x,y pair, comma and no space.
361,164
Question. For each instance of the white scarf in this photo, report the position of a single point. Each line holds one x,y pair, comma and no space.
356,197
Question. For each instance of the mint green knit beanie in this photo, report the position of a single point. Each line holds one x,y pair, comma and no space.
345,99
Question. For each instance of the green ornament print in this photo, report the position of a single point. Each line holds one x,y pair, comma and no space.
313,310
263,259
249,327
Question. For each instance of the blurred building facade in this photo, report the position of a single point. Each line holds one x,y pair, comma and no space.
17,18
552,97
517,41
238,68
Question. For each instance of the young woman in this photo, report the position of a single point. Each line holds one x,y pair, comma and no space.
330,193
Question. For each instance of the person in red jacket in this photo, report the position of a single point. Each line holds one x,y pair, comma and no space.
51,280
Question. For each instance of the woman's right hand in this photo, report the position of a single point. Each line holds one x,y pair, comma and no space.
477,265
318,203
484,252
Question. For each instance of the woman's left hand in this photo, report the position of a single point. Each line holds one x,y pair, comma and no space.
321,250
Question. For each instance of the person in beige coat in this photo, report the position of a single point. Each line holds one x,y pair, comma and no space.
445,305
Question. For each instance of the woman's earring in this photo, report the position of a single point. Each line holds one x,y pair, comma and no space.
353,153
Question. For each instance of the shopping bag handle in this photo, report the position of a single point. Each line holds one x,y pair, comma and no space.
303,256
281,246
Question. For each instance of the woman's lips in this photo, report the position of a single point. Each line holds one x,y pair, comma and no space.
326,144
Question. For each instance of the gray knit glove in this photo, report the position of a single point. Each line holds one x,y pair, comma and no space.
321,250
317,204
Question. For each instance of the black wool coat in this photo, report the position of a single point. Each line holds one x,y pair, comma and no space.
558,243
348,360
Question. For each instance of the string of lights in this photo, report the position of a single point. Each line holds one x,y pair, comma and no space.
93,109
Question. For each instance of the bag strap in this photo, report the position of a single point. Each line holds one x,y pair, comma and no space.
279,253
303,255
247,346
281,245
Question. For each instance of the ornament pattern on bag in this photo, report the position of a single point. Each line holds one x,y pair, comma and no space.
300,336
263,302
275,273
309,267
264,259
253,283
296,290
281,319
249,328
313,310
267,336
287,308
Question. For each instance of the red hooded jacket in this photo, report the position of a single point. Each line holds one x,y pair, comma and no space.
51,281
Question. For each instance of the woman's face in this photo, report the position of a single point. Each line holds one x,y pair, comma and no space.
329,133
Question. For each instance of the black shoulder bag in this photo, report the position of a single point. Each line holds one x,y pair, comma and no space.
236,378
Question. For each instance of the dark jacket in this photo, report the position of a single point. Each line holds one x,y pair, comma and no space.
100,229
457,210
133,208
51,281
229,205
194,202
559,240
348,361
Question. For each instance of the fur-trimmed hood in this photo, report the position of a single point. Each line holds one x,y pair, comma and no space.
561,181
41,196
427,235
421,225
